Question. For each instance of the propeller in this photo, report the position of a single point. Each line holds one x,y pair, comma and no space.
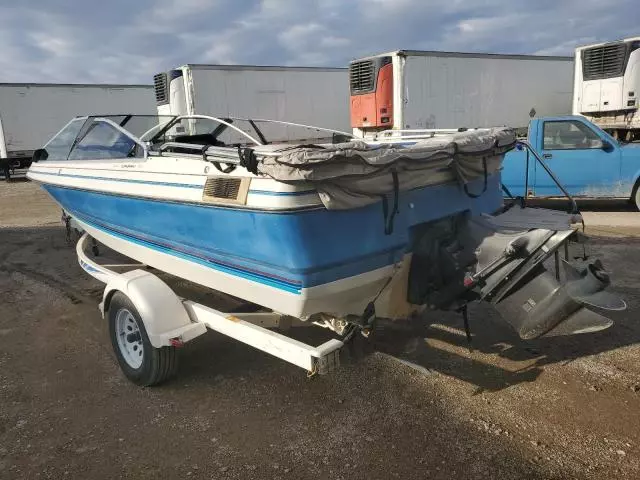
586,284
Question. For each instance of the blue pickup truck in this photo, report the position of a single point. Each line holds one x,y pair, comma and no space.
587,161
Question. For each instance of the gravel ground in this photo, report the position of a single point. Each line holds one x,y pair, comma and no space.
415,407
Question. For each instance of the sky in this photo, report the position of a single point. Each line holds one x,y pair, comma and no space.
128,41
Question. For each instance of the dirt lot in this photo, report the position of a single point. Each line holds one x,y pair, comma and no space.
555,408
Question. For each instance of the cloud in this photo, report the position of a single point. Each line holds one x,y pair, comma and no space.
121,41
301,37
331,41
310,44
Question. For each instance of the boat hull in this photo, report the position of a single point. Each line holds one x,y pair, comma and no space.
297,262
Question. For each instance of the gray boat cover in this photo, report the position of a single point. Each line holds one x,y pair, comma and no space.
354,174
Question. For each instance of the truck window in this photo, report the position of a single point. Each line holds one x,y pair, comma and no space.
103,141
569,135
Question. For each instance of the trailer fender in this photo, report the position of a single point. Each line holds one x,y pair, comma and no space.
165,319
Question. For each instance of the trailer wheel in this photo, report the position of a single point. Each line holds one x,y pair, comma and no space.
140,361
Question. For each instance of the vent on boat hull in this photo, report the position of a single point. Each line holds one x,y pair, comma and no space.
226,190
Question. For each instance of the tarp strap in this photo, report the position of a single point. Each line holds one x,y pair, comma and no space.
248,159
369,314
390,216
484,188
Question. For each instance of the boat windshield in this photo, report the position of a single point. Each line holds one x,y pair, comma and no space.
119,136
233,132
59,146
204,131
93,138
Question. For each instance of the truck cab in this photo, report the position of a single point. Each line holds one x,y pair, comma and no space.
588,161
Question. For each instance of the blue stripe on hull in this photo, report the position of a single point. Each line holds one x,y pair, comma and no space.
288,250
201,261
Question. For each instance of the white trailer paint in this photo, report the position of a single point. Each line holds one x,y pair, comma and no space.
307,95
450,90
31,113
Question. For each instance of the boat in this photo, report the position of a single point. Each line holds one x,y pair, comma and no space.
323,227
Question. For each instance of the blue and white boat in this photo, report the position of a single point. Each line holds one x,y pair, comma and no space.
321,230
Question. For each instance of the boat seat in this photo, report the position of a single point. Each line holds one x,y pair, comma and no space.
200,139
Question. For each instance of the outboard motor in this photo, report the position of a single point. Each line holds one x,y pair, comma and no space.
502,260
539,304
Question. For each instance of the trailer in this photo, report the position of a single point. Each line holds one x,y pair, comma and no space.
410,89
141,307
607,86
31,113
306,95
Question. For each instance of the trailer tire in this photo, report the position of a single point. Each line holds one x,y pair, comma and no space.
141,362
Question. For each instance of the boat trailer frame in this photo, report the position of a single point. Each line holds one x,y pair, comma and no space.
172,321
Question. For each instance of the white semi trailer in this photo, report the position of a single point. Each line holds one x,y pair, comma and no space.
409,89
31,113
607,86
397,90
306,95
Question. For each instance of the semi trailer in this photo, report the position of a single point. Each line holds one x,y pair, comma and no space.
607,86
410,89
31,113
